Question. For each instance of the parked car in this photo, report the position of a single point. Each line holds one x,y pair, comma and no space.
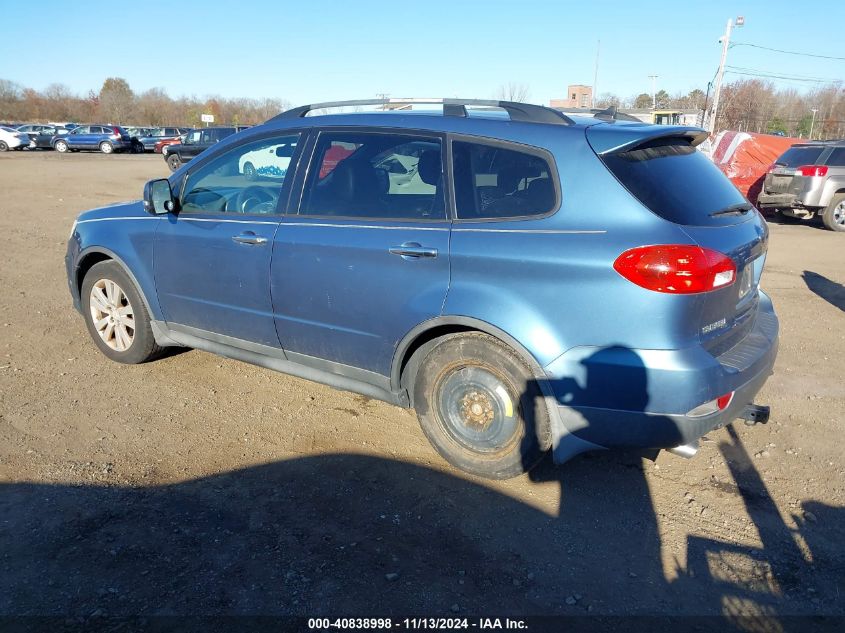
540,281
266,162
34,129
43,139
155,135
105,138
808,181
196,142
162,147
10,138
136,134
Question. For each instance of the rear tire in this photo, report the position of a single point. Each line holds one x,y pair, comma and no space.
106,147
173,162
833,217
4,147
116,316
480,406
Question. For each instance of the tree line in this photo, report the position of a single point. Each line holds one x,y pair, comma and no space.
117,103
751,105
754,105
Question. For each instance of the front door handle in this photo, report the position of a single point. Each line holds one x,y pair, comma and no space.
248,237
413,250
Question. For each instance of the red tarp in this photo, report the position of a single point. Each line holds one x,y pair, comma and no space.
744,157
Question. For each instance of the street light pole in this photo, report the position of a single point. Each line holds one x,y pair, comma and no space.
653,92
717,89
813,122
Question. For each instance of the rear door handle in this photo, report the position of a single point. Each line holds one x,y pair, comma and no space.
248,237
413,250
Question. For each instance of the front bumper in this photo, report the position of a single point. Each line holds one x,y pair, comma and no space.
657,387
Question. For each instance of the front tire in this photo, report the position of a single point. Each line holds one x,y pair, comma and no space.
116,316
61,147
4,147
833,216
173,162
480,406
106,147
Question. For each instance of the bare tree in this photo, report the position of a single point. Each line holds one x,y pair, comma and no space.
608,99
513,91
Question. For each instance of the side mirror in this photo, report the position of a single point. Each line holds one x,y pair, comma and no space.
158,197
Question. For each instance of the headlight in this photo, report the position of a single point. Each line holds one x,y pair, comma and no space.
72,230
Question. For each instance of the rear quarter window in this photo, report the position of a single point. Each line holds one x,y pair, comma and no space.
676,182
837,157
500,181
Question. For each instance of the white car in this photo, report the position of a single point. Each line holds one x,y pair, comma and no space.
267,162
12,139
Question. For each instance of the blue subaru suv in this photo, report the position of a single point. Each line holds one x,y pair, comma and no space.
525,280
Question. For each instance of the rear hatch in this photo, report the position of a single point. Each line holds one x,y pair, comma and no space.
668,175
783,176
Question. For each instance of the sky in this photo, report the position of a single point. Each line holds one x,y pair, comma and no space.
306,52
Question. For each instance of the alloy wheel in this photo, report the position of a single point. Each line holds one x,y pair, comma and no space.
112,315
839,213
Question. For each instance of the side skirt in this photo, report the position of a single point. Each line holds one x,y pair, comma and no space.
343,377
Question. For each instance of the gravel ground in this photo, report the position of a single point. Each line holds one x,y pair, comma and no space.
200,485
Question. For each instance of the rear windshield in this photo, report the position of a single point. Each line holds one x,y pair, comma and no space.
676,181
798,155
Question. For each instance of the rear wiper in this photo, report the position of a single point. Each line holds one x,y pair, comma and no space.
734,209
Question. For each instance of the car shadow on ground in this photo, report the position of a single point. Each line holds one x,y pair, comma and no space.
345,534
830,291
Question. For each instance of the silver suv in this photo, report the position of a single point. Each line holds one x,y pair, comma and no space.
808,180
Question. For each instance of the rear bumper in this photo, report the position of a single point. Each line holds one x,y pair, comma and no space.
656,388
776,200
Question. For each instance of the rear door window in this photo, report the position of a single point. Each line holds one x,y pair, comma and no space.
493,181
676,181
799,155
376,175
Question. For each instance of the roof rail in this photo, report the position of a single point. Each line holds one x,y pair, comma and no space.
612,114
523,112
608,114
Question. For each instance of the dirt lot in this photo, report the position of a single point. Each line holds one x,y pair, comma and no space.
196,484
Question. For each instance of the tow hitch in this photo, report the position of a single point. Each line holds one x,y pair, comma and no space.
755,414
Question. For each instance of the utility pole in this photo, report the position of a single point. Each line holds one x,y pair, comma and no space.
653,91
595,77
813,122
717,89
383,96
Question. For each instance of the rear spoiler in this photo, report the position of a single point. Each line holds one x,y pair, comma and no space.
612,140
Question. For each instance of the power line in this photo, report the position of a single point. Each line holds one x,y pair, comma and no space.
778,50
773,74
782,77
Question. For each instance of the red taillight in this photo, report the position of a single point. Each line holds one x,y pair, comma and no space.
116,131
676,268
723,401
812,171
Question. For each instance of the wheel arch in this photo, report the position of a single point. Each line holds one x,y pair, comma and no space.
96,254
441,326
